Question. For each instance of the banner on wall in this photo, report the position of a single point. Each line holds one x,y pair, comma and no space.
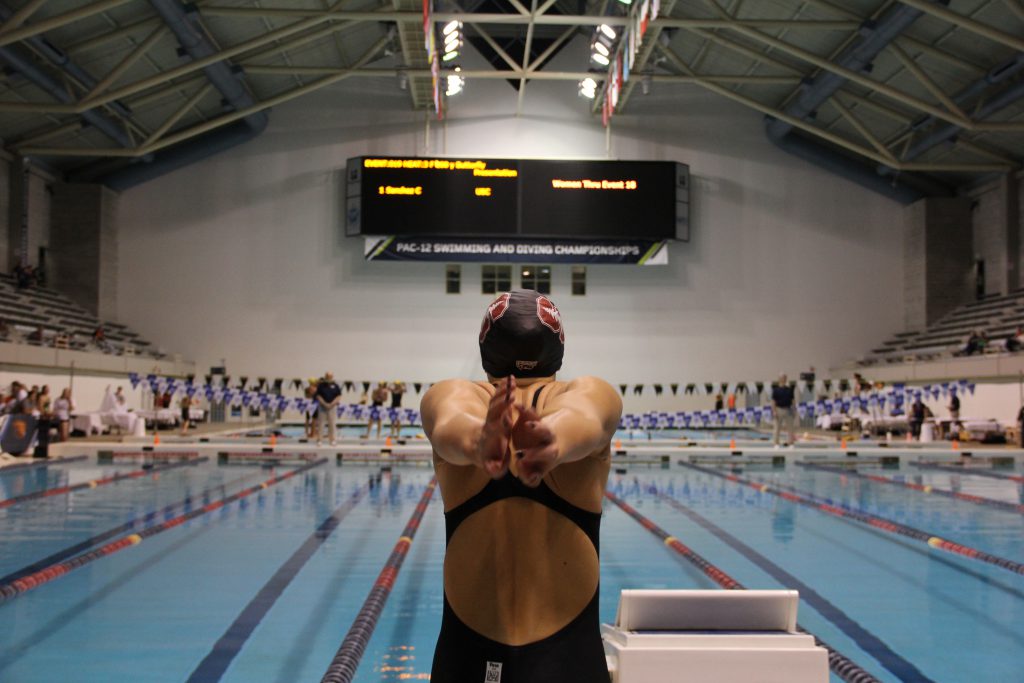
496,250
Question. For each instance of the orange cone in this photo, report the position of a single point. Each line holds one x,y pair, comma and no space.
387,441
618,443
956,445
842,444
732,443
273,439
156,438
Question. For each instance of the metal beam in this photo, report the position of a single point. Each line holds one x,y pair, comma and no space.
881,88
176,116
494,46
862,129
110,36
35,29
1016,7
526,58
926,81
550,50
19,17
135,55
217,122
831,137
965,23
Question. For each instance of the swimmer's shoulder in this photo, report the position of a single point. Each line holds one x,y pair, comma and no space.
594,390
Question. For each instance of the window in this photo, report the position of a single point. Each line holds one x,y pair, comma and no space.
494,279
536,277
579,280
452,278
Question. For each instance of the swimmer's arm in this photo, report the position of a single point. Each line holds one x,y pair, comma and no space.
454,412
584,418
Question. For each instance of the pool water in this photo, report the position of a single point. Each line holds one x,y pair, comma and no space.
286,593
625,435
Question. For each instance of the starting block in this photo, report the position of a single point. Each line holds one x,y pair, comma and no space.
691,636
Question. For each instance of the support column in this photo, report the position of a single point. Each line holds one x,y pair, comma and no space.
938,259
84,246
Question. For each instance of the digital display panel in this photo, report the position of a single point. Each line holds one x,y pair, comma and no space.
412,196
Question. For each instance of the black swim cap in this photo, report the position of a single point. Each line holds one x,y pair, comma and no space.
522,335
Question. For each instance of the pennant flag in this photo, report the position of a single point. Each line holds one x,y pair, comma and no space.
657,389
417,386
622,388
674,387
133,377
638,389
709,388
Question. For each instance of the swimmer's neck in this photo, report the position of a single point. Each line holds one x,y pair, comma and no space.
522,381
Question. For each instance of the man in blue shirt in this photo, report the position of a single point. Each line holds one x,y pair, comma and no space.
328,393
782,410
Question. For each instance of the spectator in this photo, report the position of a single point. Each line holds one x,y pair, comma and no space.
918,412
30,404
1020,427
5,330
186,408
379,396
397,389
44,399
37,336
18,394
954,412
719,404
120,399
99,339
972,345
310,394
1014,341
730,401
782,411
25,275
62,409
328,394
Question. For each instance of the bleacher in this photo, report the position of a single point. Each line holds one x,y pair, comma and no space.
65,324
997,315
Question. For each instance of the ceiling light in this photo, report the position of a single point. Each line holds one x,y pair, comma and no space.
449,56
452,25
600,59
607,30
599,47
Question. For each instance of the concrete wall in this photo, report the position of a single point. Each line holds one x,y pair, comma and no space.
85,247
5,212
997,224
241,257
938,266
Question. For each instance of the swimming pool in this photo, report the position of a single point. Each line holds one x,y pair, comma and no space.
266,587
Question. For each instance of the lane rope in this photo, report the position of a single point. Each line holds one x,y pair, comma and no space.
843,666
94,483
972,471
132,523
224,651
41,463
836,509
342,668
923,488
21,586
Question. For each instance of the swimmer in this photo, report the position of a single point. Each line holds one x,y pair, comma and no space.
522,462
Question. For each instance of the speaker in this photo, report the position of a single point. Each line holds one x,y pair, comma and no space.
682,202
353,194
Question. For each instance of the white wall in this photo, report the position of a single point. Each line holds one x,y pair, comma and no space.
240,257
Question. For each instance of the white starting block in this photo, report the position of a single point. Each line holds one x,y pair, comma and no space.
725,636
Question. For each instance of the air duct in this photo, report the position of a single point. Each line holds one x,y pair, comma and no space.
996,75
904,188
183,20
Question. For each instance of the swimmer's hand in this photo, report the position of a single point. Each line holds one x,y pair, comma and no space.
493,447
536,450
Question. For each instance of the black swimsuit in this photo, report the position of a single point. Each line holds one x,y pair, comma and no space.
574,654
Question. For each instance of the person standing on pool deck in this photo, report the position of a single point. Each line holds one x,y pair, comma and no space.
782,410
522,462
328,393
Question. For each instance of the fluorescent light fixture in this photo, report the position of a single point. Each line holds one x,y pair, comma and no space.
449,56
600,59
453,25
589,83
452,42
599,47
607,30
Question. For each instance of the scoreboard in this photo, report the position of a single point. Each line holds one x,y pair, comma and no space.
527,198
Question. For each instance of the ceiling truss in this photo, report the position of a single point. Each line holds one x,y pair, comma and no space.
870,116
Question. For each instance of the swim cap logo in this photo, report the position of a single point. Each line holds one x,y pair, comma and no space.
550,317
494,313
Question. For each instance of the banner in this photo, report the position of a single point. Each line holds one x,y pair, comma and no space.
516,250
